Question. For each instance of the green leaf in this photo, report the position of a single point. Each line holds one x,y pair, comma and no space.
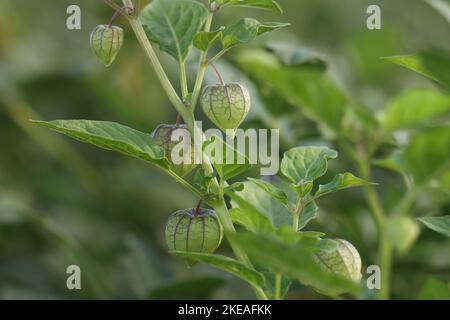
293,260
442,7
271,285
435,289
111,136
294,56
205,40
255,202
308,90
271,5
414,108
340,182
438,224
251,219
306,163
173,24
226,264
434,65
219,152
271,190
402,233
428,154
246,30
309,213
200,288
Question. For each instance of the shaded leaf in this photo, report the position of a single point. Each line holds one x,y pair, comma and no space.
205,40
173,24
438,224
291,55
226,264
428,153
340,182
189,289
270,286
271,190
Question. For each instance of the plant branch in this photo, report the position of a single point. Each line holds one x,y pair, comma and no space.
162,76
183,82
203,65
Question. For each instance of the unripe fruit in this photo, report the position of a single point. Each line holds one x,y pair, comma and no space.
344,260
164,135
106,42
194,230
226,105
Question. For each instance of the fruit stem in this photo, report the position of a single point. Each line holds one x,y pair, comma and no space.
114,16
197,209
217,72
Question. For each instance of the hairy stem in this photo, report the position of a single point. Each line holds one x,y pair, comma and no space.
183,81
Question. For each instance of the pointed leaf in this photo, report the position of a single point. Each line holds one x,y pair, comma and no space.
341,182
111,136
226,264
246,30
173,24
271,5
438,224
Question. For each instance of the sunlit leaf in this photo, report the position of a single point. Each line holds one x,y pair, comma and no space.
306,163
402,233
110,136
271,190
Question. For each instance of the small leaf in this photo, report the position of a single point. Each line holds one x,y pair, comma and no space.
434,65
341,182
402,233
303,188
238,186
414,108
306,163
271,190
226,264
173,24
438,224
271,5
308,213
205,40
111,136
294,56
246,30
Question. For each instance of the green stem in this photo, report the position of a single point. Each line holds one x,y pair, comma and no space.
161,74
203,65
296,213
385,251
183,81
278,286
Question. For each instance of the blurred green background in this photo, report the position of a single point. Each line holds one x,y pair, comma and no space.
63,202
